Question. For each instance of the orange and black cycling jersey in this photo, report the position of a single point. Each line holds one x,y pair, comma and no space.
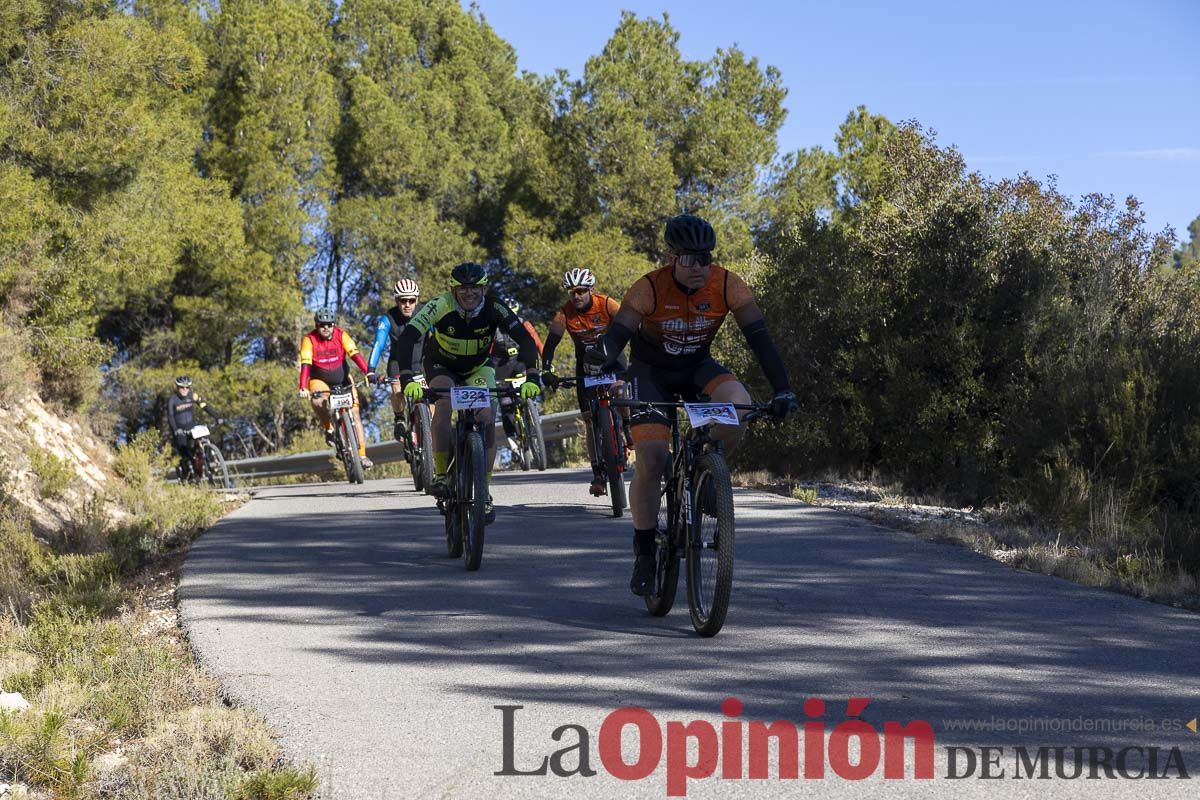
678,325
325,359
587,326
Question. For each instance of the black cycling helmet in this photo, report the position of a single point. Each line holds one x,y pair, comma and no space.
468,273
688,234
324,316
183,381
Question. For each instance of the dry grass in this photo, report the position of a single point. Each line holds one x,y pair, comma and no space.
88,636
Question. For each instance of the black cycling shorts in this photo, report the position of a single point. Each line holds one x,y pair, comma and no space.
658,385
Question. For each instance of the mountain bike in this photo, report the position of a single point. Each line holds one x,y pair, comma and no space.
465,500
529,437
696,511
345,437
207,462
608,434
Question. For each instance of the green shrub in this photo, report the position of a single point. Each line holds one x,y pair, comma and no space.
54,474
16,373
284,784
805,494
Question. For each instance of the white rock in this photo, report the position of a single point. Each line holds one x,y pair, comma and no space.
108,762
13,701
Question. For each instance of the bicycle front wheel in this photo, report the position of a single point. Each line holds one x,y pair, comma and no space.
710,544
472,500
214,467
422,467
609,450
525,457
350,458
533,431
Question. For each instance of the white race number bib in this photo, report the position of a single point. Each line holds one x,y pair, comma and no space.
464,397
704,413
599,380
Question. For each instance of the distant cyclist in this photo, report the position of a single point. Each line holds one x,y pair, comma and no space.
586,316
464,323
387,332
181,417
672,315
325,353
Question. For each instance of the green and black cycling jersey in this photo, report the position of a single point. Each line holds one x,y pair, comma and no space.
460,342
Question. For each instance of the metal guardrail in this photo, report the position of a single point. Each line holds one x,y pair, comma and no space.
562,425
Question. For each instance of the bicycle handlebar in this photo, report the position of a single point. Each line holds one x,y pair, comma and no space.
576,380
757,410
507,391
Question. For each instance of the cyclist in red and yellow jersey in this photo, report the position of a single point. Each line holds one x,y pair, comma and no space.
324,352
586,317
672,316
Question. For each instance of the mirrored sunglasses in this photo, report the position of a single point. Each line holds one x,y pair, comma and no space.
695,259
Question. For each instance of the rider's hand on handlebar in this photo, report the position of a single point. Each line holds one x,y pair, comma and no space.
414,391
372,377
304,394
549,379
530,390
598,356
783,404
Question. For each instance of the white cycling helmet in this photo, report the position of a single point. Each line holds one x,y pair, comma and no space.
406,287
578,277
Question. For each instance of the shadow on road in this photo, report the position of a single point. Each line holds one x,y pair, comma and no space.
825,605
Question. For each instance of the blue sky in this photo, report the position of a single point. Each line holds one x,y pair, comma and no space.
1105,95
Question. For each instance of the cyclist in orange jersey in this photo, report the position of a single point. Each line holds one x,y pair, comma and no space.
672,315
586,317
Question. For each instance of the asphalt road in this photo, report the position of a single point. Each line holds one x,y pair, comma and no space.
333,610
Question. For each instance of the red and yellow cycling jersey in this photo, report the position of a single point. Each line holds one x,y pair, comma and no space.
678,326
586,326
325,359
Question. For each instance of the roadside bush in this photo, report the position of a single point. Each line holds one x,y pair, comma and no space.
54,474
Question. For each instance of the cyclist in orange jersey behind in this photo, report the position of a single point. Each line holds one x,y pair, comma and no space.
324,352
586,317
672,315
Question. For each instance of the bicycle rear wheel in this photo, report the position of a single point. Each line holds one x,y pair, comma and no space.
214,467
422,467
710,545
350,458
609,450
472,500
533,431
666,558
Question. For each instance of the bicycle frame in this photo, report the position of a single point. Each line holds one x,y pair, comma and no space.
604,400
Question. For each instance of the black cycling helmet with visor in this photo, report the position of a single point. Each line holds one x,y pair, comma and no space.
324,316
688,235
468,273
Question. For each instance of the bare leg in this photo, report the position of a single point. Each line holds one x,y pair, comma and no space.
644,489
728,435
